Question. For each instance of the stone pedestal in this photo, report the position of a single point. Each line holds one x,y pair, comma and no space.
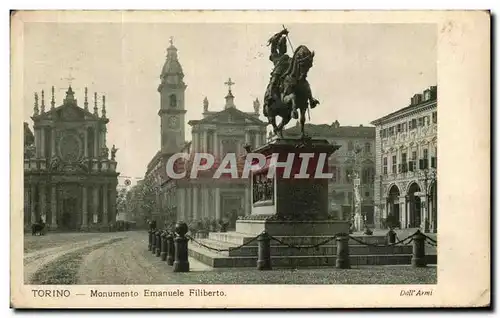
290,193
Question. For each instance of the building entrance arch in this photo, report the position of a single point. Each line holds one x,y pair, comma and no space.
393,208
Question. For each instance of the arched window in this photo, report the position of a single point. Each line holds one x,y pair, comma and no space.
173,100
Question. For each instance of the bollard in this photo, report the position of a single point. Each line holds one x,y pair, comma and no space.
418,257
342,260
163,252
264,252
149,239
170,248
153,241
392,236
158,243
181,263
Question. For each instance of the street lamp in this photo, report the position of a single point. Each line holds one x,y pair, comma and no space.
357,219
426,174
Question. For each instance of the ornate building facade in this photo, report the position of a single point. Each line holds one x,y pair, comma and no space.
69,179
406,155
343,163
219,132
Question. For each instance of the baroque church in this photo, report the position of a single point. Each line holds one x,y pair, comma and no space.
222,129
70,174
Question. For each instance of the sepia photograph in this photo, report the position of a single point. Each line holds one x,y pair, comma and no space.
189,156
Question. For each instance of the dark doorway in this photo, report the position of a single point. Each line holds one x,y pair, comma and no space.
393,216
68,219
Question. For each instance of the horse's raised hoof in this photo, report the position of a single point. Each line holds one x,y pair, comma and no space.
295,114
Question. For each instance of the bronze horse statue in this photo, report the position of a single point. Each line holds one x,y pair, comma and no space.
295,92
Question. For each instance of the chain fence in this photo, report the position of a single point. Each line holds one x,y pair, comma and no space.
406,241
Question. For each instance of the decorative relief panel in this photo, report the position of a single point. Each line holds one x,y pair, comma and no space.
69,146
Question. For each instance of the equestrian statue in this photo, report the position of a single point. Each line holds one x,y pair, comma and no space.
288,91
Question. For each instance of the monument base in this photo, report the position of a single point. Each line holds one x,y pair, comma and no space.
292,228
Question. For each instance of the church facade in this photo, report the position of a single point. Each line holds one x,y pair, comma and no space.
70,178
221,130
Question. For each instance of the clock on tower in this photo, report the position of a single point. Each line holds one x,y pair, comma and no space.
173,122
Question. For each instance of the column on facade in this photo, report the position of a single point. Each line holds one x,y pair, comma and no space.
33,203
181,213
85,216
42,142
195,203
194,146
96,142
86,143
43,202
53,142
216,145
205,202
37,142
112,198
403,203
205,141
105,196
95,204
103,136
53,204
217,203
189,204
247,137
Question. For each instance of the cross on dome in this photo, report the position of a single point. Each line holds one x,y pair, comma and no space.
229,83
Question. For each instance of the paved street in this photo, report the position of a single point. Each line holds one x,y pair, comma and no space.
42,250
123,258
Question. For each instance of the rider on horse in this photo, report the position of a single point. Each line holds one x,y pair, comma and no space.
281,62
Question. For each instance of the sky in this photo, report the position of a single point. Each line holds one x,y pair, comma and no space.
361,71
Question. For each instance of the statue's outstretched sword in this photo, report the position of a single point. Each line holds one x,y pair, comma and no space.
289,42
291,46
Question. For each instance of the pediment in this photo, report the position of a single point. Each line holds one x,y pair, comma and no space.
231,116
368,162
67,113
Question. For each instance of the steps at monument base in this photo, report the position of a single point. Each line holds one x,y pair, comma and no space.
219,260
242,238
327,249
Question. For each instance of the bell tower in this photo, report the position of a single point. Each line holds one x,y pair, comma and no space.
172,108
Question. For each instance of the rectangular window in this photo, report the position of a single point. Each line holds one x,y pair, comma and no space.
404,167
420,121
434,118
424,161
413,123
334,173
394,164
398,128
385,165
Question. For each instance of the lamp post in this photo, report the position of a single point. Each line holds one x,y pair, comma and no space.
357,218
426,174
